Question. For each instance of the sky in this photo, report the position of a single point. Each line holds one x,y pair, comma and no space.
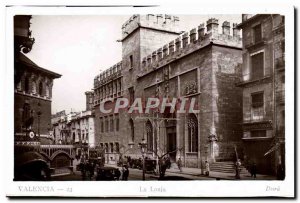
79,47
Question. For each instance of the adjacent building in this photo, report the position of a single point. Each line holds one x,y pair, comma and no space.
159,61
75,128
262,82
34,149
61,127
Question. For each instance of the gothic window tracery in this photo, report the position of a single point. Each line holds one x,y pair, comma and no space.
192,125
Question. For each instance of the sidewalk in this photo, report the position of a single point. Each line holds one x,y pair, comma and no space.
213,174
219,175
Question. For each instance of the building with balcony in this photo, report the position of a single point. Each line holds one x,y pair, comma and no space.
75,128
262,82
82,131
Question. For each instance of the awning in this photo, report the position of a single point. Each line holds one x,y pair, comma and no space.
29,157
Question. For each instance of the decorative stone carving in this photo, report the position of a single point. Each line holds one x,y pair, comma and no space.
191,88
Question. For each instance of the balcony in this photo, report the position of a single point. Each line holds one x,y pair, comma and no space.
256,117
257,125
257,114
246,80
255,44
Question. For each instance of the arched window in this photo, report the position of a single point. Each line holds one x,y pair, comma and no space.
192,125
131,125
41,88
149,131
26,85
33,89
74,136
47,91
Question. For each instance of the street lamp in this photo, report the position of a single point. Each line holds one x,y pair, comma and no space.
143,146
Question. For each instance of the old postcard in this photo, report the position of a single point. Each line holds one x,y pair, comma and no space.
150,102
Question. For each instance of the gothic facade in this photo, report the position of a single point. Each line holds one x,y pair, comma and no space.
158,61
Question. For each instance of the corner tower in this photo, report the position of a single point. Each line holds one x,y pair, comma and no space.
141,35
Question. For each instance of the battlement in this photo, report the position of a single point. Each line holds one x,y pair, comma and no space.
107,75
162,22
191,41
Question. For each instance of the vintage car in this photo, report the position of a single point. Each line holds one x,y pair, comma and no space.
150,165
108,173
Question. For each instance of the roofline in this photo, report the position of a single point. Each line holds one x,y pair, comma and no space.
242,24
210,44
53,74
150,28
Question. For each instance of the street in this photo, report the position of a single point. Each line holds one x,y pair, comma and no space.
136,174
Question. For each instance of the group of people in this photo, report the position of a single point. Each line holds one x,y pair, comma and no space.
125,172
87,169
164,164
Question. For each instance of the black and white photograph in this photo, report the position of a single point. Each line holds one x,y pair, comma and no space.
167,98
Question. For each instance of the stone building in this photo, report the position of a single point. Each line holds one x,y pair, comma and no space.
75,128
33,92
159,61
82,131
61,127
262,81
34,147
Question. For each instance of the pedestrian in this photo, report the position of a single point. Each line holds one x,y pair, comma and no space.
179,164
83,170
163,168
118,174
91,170
168,162
125,172
237,169
129,161
206,168
280,172
253,170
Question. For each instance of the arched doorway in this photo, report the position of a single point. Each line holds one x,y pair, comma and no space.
61,162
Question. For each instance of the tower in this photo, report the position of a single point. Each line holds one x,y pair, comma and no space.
89,100
141,35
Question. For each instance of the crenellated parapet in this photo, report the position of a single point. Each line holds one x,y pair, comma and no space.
168,23
191,41
109,74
